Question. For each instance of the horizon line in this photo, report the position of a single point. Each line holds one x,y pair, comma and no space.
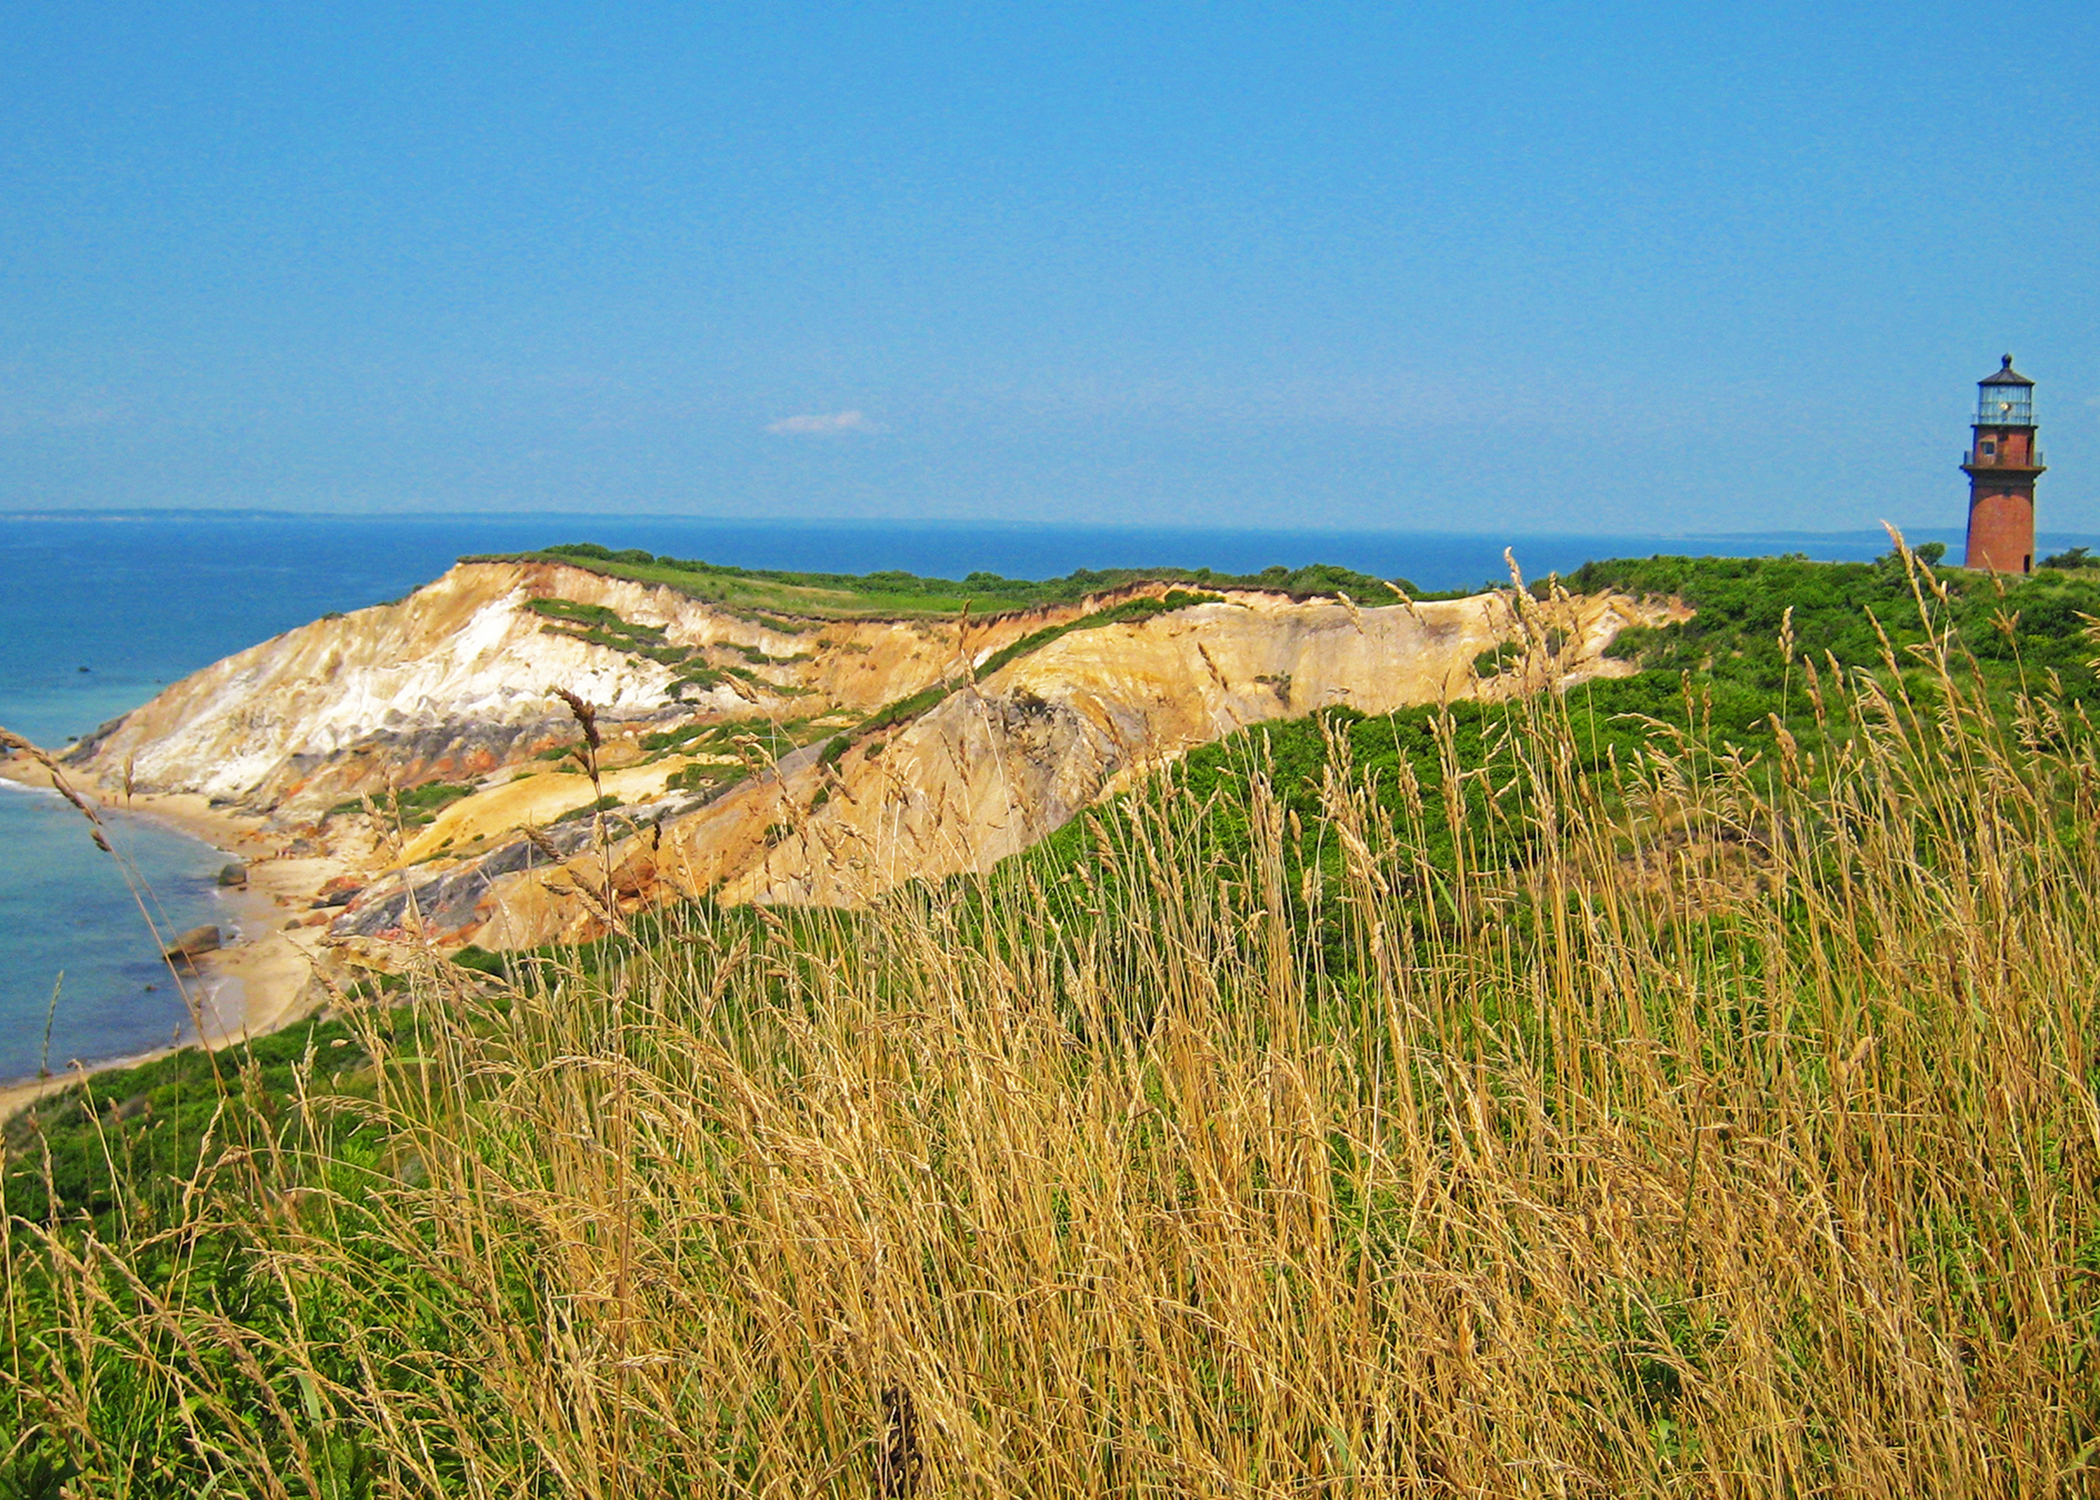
785,523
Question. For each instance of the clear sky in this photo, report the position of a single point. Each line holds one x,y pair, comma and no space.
1584,266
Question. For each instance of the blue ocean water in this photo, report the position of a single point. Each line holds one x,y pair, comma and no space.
75,950
98,611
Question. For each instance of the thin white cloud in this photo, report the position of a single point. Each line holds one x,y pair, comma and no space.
828,424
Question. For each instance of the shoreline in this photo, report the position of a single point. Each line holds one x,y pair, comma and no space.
261,980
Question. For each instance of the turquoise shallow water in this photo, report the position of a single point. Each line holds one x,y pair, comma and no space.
97,612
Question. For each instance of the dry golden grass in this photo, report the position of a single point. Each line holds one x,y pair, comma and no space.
1620,1173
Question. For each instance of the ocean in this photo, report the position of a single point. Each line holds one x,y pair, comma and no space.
98,611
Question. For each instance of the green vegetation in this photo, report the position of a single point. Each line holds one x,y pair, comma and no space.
2015,631
683,736
1498,659
591,617
605,627
705,778
1680,1085
605,803
700,678
729,743
789,601
409,807
904,710
121,1146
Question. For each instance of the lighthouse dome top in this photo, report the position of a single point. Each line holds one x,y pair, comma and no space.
2005,374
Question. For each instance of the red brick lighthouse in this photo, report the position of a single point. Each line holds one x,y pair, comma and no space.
2002,465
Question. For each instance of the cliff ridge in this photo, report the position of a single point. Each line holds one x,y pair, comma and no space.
749,756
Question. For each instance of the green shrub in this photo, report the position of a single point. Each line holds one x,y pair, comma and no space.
1497,659
410,807
604,804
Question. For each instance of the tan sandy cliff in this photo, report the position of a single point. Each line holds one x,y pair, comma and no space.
738,751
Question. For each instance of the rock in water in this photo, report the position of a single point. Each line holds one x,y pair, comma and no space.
233,874
195,943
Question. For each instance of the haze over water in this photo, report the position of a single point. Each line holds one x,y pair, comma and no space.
141,601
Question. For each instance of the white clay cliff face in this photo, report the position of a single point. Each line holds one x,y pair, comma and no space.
452,680
455,683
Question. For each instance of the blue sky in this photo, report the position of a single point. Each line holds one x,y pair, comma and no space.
1526,267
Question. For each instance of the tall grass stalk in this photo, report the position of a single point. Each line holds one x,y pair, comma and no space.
43,1051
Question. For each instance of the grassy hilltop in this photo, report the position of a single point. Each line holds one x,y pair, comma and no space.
1684,1084
792,598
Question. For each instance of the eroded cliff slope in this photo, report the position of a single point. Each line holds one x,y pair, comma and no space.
752,757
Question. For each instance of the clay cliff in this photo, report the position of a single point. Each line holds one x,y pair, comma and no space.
752,757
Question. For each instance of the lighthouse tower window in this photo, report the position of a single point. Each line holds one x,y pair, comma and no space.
1988,448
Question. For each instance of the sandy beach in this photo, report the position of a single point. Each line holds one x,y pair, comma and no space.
262,979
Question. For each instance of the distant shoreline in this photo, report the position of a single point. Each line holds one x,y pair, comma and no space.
600,525
602,519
